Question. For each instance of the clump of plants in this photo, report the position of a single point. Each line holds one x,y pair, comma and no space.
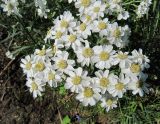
87,53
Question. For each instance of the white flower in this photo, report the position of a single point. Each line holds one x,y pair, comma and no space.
27,65
84,54
39,65
58,35
121,58
101,26
52,76
138,57
65,22
86,18
84,29
89,95
62,63
43,53
10,6
102,80
73,39
119,87
36,86
96,9
103,56
83,4
78,78
138,85
109,103
115,34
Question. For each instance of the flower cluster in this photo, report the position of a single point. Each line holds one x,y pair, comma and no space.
143,8
86,57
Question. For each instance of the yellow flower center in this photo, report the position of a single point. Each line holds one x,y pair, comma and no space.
58,34
76,80
104,82
42,52
87,52
88,92
85,3
51,76
139,84
34,86
64,24
119,86
117,33
122,56
88,17
135,68
39,66
109,102
10,6
96,9
28,65
102,25
62,64
104,56
82,27
72,38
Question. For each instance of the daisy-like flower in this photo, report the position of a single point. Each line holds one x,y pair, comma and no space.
83,4
101,26
58,35
73,39
62,63
132,69
27,65
102,80
103,56
85,54
109,103
138,85
115,34
10,6
86,18
89,95
96,9
119,88
39,65
65,22
84,29
121,58
77,80
43,53
52,76
139,57
36,86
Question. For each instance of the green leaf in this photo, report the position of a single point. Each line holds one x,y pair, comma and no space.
62,90
66,120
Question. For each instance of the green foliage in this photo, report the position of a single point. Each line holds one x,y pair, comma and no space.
66,120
